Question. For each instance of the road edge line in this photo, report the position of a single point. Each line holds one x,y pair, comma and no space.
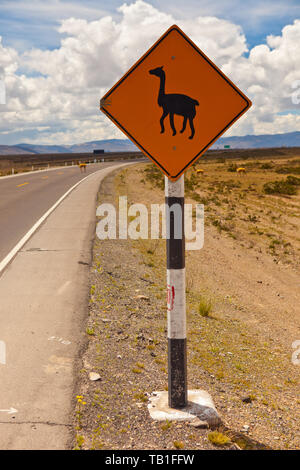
36,171
5,262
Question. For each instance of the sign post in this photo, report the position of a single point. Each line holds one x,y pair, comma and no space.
177,356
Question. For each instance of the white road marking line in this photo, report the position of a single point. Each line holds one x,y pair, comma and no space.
10,411
34,172
60,340
2,352
63,288
33,229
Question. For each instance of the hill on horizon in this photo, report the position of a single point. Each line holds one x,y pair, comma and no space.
291,139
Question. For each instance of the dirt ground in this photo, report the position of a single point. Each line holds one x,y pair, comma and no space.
248,271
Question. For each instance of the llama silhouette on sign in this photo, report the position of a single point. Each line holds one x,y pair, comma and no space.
173,103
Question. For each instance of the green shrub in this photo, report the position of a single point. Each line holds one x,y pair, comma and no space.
232,167
205,307
266,166
154,176
218,439
288,186
293,180
289,169
191,183
178,445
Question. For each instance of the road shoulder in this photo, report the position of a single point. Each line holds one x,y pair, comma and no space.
44,295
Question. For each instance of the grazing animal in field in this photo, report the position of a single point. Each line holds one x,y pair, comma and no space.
82,167
200,171
174,103
241,171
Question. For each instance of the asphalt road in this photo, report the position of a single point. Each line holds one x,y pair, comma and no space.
44,304
25,198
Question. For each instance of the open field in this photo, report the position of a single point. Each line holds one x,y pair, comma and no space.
243,302
23,163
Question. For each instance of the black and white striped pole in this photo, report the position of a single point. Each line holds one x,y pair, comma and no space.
177,355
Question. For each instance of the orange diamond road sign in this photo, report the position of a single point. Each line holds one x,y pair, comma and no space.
174,103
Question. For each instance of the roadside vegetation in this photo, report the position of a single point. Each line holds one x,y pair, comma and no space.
289,186
242,312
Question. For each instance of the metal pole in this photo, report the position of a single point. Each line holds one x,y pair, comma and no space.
177,356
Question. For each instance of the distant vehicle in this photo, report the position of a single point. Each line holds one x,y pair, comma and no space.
98,151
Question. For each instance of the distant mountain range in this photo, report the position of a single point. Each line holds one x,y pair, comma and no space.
291,139
111,145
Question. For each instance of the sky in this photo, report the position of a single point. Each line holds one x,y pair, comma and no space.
58,57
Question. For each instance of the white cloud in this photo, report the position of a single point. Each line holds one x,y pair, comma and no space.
94,54
51,9
268,76
8,60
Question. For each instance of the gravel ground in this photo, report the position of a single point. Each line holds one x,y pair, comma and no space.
252,383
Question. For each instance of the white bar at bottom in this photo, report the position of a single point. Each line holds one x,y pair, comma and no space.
176,303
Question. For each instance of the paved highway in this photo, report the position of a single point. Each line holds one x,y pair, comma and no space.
44,303
25,198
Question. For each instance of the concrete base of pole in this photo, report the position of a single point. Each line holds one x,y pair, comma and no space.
200,405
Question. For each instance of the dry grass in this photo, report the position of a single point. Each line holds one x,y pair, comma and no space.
230,353
205,307
218,439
